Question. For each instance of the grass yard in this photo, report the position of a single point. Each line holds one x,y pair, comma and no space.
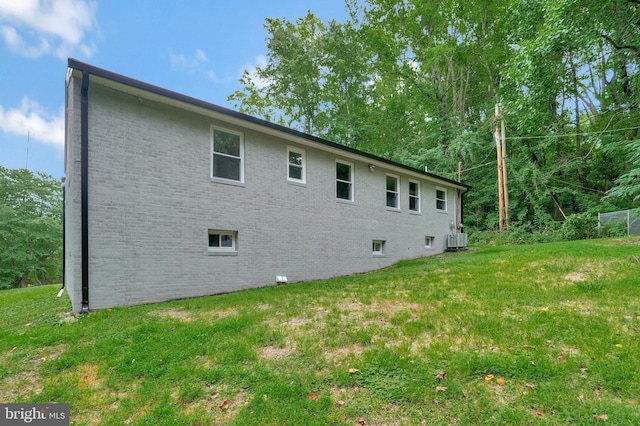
536,335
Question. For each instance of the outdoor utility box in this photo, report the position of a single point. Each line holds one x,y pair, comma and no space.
456,242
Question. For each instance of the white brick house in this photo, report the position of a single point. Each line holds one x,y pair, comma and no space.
167,197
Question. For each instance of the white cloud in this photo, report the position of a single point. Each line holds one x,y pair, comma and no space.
193,64
31,117
35,28
260,62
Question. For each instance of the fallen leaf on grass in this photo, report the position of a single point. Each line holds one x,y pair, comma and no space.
313,396
500,381
560,357
13,349
362,421
85,377
488,377
618,345
341,403
539,413
530,385
583,368
354,370
224,405
598,392
441,388
602,417
441,376
214,394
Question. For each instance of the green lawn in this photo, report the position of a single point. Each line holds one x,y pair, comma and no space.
543,334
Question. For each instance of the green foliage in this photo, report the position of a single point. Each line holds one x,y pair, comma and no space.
417,81
30,228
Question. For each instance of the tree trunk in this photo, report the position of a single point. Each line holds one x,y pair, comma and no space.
24,280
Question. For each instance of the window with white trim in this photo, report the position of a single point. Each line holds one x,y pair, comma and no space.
441,199
414,196
227,154
296,165
393,195
222,241
428,242
377,247
344,181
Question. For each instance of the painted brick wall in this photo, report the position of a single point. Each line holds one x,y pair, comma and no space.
152,201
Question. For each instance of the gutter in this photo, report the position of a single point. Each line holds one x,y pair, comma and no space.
84,190
168,94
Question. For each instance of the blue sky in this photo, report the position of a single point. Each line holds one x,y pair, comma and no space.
196,47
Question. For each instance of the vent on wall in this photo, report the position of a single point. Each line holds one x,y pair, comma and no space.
456,242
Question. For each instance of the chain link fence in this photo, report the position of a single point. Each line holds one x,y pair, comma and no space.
620,223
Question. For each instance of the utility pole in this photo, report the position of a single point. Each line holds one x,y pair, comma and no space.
498,140
459,204
504,168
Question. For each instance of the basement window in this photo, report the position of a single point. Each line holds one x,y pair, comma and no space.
377,248
428,242
222,242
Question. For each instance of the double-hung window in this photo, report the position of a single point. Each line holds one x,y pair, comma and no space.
393,196
227,154
414,196
344,181
296,170
441,199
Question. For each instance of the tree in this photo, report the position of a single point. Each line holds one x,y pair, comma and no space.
30,227
416,82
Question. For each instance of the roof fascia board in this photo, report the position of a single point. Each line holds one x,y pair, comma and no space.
164,96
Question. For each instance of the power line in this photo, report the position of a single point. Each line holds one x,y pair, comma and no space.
573,134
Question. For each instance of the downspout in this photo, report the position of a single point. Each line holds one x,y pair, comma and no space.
84,190
64,251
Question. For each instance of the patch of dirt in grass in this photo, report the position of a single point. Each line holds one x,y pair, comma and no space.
271,352
343,352
221,405
577,306
173,314
575,277
391,307
88,377
214,315
297,322
19,386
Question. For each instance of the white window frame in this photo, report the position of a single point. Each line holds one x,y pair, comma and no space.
377,247
428,242
213,152
389,192
302,166
350,182
417,197
444,200
219,249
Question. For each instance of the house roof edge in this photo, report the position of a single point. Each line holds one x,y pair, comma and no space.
128,81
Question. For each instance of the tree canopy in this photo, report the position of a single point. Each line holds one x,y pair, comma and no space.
417,82
30,227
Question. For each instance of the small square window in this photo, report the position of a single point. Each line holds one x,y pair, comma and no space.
377,247
222,241
428,242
